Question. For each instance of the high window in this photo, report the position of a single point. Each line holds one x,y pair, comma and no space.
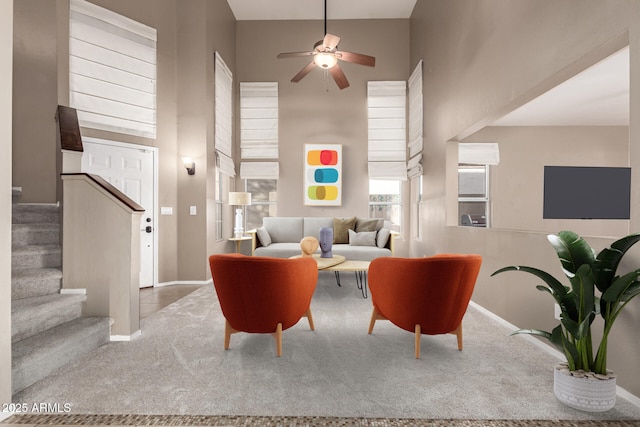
385,200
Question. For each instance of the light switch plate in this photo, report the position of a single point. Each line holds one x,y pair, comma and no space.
164,210
192,210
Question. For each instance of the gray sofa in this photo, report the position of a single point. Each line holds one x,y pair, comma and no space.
280,237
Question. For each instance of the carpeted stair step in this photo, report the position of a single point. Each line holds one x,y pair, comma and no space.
36,357
35,234
30,316
36,256
24,213
35,282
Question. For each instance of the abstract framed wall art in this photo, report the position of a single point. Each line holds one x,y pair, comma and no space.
323,174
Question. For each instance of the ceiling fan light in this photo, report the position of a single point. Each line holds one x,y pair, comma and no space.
325,60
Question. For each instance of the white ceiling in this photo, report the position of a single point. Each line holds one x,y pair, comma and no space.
599,96
251,10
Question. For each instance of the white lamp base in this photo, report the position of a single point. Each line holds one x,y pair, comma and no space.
238,230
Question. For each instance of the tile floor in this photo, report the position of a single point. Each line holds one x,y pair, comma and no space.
154,299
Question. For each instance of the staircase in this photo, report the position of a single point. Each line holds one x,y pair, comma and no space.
47,327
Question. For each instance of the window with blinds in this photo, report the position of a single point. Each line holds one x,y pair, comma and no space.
386,102
223,116
415,144
259,120
112,66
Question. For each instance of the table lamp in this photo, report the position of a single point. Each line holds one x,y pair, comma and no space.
239,199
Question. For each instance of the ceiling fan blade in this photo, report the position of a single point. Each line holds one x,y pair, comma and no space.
330,41
357,58
294,54
339,77
303,72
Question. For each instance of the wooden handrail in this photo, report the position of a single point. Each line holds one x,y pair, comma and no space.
111,190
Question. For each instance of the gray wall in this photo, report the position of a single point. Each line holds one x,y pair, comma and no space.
482,59
517,182
6,48
315,110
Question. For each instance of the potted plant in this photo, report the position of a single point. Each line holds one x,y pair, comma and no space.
595,289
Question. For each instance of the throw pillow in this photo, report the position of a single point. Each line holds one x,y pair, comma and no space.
264,237
364,238
366,225
383,236
341,227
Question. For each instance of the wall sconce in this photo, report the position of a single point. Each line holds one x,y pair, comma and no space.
190,165
239,199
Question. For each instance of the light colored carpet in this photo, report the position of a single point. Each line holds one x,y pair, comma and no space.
178,366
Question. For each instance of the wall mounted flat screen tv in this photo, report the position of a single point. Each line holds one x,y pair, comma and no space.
577,192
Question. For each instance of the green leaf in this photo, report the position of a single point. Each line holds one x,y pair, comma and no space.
572,250
620,286
583,288
632,291
553,283
608,260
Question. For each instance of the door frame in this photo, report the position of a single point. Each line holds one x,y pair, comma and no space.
154,152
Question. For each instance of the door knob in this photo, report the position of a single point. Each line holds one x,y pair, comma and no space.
148,229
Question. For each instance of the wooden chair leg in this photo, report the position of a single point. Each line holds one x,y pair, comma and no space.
374,316
310,319
278,336
458,333
228,330
418,334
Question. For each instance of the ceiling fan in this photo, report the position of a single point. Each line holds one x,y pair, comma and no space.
326,55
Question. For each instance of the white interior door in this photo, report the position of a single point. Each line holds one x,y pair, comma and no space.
131,169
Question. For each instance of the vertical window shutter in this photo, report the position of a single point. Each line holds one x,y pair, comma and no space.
112,71
386,103
414,167
223,108
479,153
259,120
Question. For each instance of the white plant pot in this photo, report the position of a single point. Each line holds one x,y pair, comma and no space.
585,391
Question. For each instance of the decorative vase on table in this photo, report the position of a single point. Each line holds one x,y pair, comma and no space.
326,242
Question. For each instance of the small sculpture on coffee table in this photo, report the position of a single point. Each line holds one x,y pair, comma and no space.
326,242
308,245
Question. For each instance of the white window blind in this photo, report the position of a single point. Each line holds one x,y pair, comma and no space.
479,153
414,168
112,71
259,120
259,170
223,107
225,164
386,101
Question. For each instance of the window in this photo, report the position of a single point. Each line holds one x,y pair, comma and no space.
263,201
218,198
385,200
416,191
112,71
473,195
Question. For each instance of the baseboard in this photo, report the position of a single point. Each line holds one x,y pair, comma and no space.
185,282
73,291
635,400
131,337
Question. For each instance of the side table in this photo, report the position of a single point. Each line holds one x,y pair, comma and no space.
239,241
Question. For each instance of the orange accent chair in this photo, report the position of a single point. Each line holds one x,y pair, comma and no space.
263,295
423,295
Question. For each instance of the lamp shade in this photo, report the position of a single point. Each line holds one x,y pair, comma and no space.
239,199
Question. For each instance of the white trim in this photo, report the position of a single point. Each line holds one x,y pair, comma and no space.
154,151
73,291
131,337
633,399
185,282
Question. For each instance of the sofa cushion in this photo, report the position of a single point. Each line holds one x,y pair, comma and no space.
312,226
263,235
359,253
279,250
364,238
284,229
341,227
368,224
383,237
